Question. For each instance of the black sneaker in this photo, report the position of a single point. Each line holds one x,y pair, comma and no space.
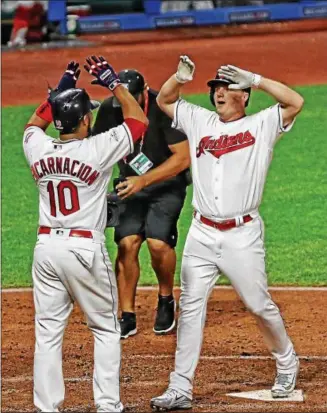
165,319
127,325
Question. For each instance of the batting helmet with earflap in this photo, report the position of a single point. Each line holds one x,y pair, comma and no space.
213,83
69,107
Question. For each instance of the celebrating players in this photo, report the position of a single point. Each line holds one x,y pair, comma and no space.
70,258
230,156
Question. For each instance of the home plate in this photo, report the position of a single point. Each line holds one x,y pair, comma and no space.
265,395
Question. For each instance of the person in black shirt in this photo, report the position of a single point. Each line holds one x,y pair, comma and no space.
153,192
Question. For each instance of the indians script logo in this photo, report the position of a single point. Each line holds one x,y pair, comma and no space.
224,144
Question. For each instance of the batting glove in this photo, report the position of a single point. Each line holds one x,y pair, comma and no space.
103,72
241,79
68,81
70,77
185,70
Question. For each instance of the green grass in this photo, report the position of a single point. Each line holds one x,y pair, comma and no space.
294,203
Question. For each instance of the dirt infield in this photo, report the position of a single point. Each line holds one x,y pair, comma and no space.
148,359
295,59
230,331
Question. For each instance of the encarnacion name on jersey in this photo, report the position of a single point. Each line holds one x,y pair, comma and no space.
64,166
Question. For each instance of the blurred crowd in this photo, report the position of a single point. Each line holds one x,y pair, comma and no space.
29,22
184,5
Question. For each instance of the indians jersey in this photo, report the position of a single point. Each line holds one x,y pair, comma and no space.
73,175
229,160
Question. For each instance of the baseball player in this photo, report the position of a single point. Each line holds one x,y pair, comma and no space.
70,258
230,155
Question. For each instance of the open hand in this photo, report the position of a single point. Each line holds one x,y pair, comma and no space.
104,74
70,77
185,70
242,79
130,186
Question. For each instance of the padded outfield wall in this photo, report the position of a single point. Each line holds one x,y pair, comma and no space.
152,18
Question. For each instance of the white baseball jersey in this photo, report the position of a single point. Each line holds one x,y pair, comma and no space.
73,175
229,160
229,167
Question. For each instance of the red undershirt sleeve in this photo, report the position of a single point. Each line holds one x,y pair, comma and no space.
136,127
44,111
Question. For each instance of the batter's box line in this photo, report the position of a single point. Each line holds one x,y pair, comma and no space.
231,357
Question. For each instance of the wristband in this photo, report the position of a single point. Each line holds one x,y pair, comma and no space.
256,79
112,86
44,111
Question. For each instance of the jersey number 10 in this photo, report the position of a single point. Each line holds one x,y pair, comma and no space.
70,188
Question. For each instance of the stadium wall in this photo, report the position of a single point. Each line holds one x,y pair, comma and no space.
153,19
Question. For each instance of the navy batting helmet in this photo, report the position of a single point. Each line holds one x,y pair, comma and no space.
213,83
133,80
69,108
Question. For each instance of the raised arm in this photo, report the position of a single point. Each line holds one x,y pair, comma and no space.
290,101
171,89
106,76
42,116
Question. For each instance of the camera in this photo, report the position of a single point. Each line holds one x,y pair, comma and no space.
115,205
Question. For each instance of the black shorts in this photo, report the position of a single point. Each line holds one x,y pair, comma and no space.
152,214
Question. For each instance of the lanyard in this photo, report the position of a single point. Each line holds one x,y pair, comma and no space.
146,109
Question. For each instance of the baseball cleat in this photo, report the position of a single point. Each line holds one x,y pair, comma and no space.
118,408
285,383
165,319
171,399
127,325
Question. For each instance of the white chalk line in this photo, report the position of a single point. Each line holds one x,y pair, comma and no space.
231,357
229,287
155,288
164,357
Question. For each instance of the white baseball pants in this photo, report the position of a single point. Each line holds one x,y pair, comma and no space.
238,253
66,269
